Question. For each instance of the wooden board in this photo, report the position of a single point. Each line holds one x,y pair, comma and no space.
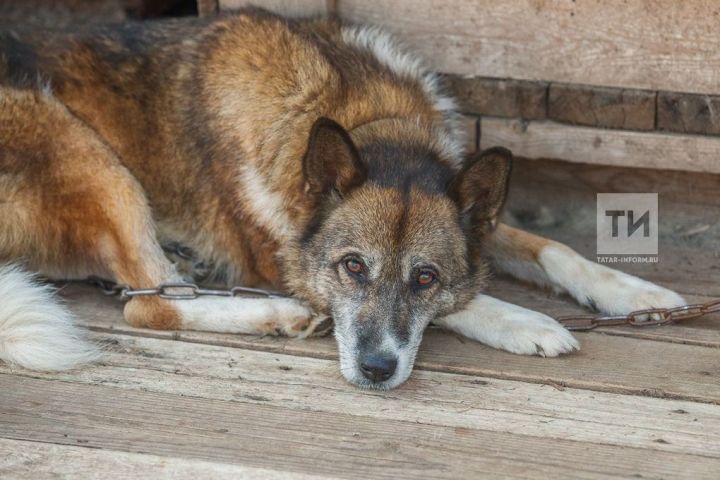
207,7
679,112
291,8
344,445
432,398
21,460
663,45
598,146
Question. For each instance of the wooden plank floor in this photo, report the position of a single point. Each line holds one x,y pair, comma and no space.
641,403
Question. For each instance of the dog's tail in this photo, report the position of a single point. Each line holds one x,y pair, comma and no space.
36,330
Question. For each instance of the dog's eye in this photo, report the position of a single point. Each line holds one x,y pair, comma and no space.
354,266
425,278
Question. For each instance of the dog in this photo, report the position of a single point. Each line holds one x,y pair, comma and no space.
311,156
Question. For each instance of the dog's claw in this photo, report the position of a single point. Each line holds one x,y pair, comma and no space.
323,328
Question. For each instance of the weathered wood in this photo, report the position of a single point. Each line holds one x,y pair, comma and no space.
601,146
503,98
291,8
602,107
680,112
341,445
432,398
21,460
207,7
42,14
605,363
682,193
669,46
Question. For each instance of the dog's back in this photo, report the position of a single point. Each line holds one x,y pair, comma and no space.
181,101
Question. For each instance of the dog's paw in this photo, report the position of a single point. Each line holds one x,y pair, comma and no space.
299,321
510,327
619,293
608,291
533,333
303,327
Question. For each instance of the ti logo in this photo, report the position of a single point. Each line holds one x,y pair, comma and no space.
627,225
632,225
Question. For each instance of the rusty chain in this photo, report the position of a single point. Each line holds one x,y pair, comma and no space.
579,323
640,318
178,291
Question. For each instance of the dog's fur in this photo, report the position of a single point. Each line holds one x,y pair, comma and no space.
309,156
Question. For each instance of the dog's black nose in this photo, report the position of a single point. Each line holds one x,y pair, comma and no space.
377,368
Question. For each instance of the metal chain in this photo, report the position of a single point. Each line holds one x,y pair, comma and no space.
640,318
178,291
581,323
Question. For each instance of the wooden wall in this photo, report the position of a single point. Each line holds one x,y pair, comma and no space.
618,82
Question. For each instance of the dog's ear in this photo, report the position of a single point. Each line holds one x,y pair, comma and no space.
332,162
480,187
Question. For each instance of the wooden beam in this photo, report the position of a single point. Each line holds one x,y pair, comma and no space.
433,398
678,112
22,459
260,434
670,45
207,7
602,146
602,107
502,98
290,8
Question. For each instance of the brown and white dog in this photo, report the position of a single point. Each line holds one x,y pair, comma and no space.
310,156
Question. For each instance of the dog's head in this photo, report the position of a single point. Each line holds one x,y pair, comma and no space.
393,245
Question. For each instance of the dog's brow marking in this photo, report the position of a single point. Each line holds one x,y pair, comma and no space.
265,205
401,228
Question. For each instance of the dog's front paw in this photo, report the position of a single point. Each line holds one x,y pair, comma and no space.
302,327
533,333
510,327
621,293
608,291
294,319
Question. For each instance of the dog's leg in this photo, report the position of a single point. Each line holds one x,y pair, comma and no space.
510,327
263,316
549,263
